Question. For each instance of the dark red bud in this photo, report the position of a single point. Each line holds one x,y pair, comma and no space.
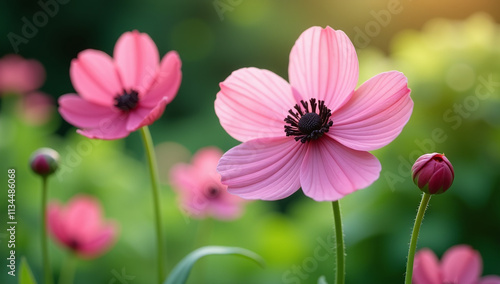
44,161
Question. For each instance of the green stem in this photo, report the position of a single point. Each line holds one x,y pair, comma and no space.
153,170
45,248
339,239
202,238
414,236
68,271
203,233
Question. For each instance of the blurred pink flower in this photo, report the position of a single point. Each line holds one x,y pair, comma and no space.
36,108
19,75
200,191
122,94
80,226
460,265
314,132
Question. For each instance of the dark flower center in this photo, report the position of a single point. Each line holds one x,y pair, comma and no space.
309,121
74,245
212,192
127,101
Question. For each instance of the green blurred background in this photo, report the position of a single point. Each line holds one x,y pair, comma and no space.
449,50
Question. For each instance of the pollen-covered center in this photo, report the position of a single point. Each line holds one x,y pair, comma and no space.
127,101
308,121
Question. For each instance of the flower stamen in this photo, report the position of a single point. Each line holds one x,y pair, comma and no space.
127,101
306,123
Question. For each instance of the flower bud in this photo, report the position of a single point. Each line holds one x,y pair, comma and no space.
433,173
44,161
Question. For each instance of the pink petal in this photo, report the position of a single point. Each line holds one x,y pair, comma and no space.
330,170
20,75
82,218
266,168
492,279
425,174
94,77
226,210
422,161
114,128
253,103
167,80
54,223
227,206
205,161
84,114
193,201
136,117
195,205
137,59
143,116
192,182
201,172
441,178
101,241
324,65
461,264
426,268
184,179
376,113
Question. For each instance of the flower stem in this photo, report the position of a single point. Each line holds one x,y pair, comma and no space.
339,240
203,233
153,170
202,239
68,271
45,248
414,236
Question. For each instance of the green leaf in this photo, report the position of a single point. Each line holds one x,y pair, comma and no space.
180,273
26,276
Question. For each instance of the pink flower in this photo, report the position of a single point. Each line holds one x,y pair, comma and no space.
433,173
460,265
122,94
200,190
19,75
315,132
80,227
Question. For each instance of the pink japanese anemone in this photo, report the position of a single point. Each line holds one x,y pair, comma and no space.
80,226
122,94
200,190
19,75
314,132
460,265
